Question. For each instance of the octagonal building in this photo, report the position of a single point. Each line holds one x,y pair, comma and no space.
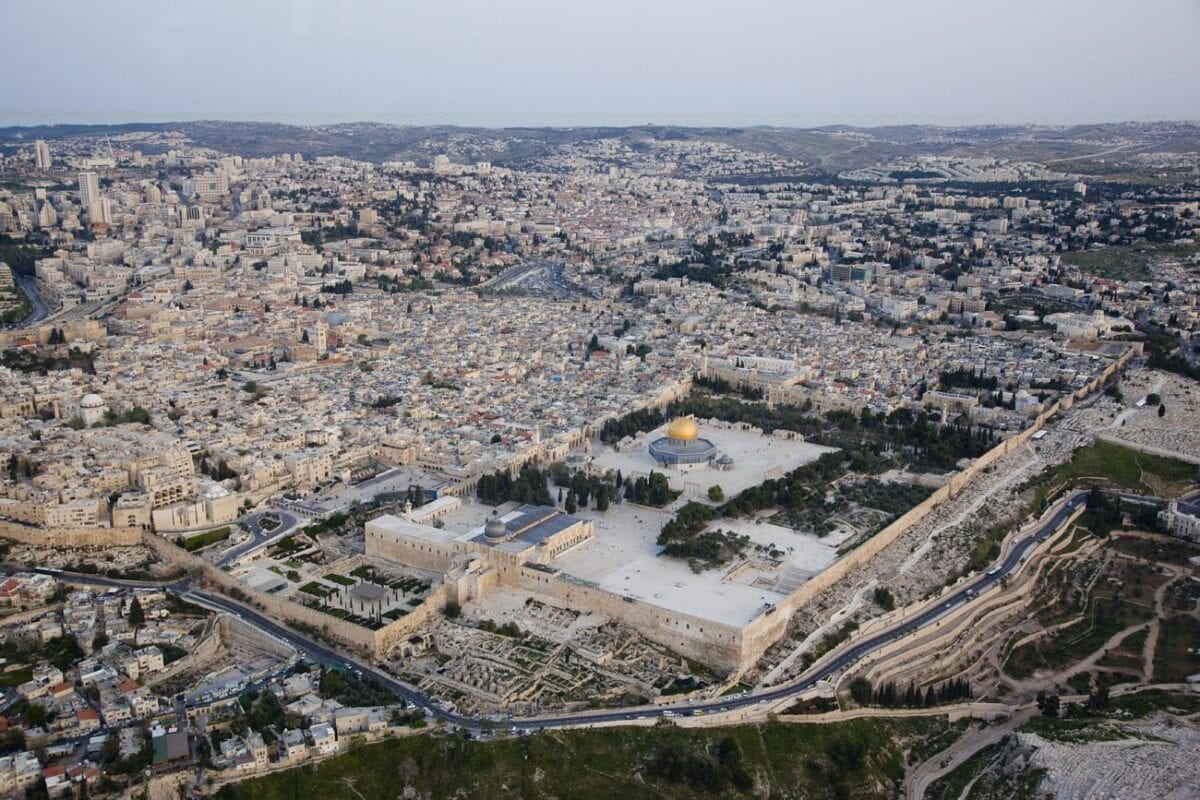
683,446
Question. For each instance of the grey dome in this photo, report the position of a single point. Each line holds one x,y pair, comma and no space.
495,529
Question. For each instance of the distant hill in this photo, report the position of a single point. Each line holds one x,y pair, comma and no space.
824,150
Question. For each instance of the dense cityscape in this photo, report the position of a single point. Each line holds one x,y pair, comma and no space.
416,411
467,456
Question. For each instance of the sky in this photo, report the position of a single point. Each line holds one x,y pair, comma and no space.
615,62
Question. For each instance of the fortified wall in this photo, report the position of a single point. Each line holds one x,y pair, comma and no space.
764,631
70,537
369,643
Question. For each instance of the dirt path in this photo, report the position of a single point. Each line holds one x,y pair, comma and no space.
917,781
1160,613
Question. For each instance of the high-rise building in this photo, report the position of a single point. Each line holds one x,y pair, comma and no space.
89,190
41,154
47,217
102,211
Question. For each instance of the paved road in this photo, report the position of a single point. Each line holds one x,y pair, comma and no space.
38,307
258,535
824,670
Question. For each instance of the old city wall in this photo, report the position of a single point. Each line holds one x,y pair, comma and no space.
372,644
281,609
386,637
703,640
70,537
767,629
75,330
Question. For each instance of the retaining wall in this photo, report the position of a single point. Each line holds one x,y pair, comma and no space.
372,644
70,537
766,630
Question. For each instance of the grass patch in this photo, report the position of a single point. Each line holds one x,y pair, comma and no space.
1124,468
983,774
340,579
1173,551
1121,597
202,540
1076,730
316,589
10,679
1115,263
1176,636
1126,263
1141,704
1129,654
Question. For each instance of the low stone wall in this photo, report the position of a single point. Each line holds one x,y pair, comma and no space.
386,637
70,537
953,713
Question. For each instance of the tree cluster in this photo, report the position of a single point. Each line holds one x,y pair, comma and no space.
888,695
528,487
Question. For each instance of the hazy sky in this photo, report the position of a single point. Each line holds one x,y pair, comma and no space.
504,62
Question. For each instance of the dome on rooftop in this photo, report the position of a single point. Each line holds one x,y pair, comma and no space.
683,429
91,401
495,529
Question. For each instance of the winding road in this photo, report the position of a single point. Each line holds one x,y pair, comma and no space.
260,536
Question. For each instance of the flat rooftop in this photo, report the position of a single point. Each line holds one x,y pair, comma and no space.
390,523
622,558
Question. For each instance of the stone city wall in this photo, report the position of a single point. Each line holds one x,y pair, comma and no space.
423,555
372,644
767,629
712,643
70,537
386,637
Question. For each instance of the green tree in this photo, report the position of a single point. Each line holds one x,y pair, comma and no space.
136,615
883,597
860,690
602,497
716,493
36,715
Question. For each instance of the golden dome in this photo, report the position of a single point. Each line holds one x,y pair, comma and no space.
683,429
